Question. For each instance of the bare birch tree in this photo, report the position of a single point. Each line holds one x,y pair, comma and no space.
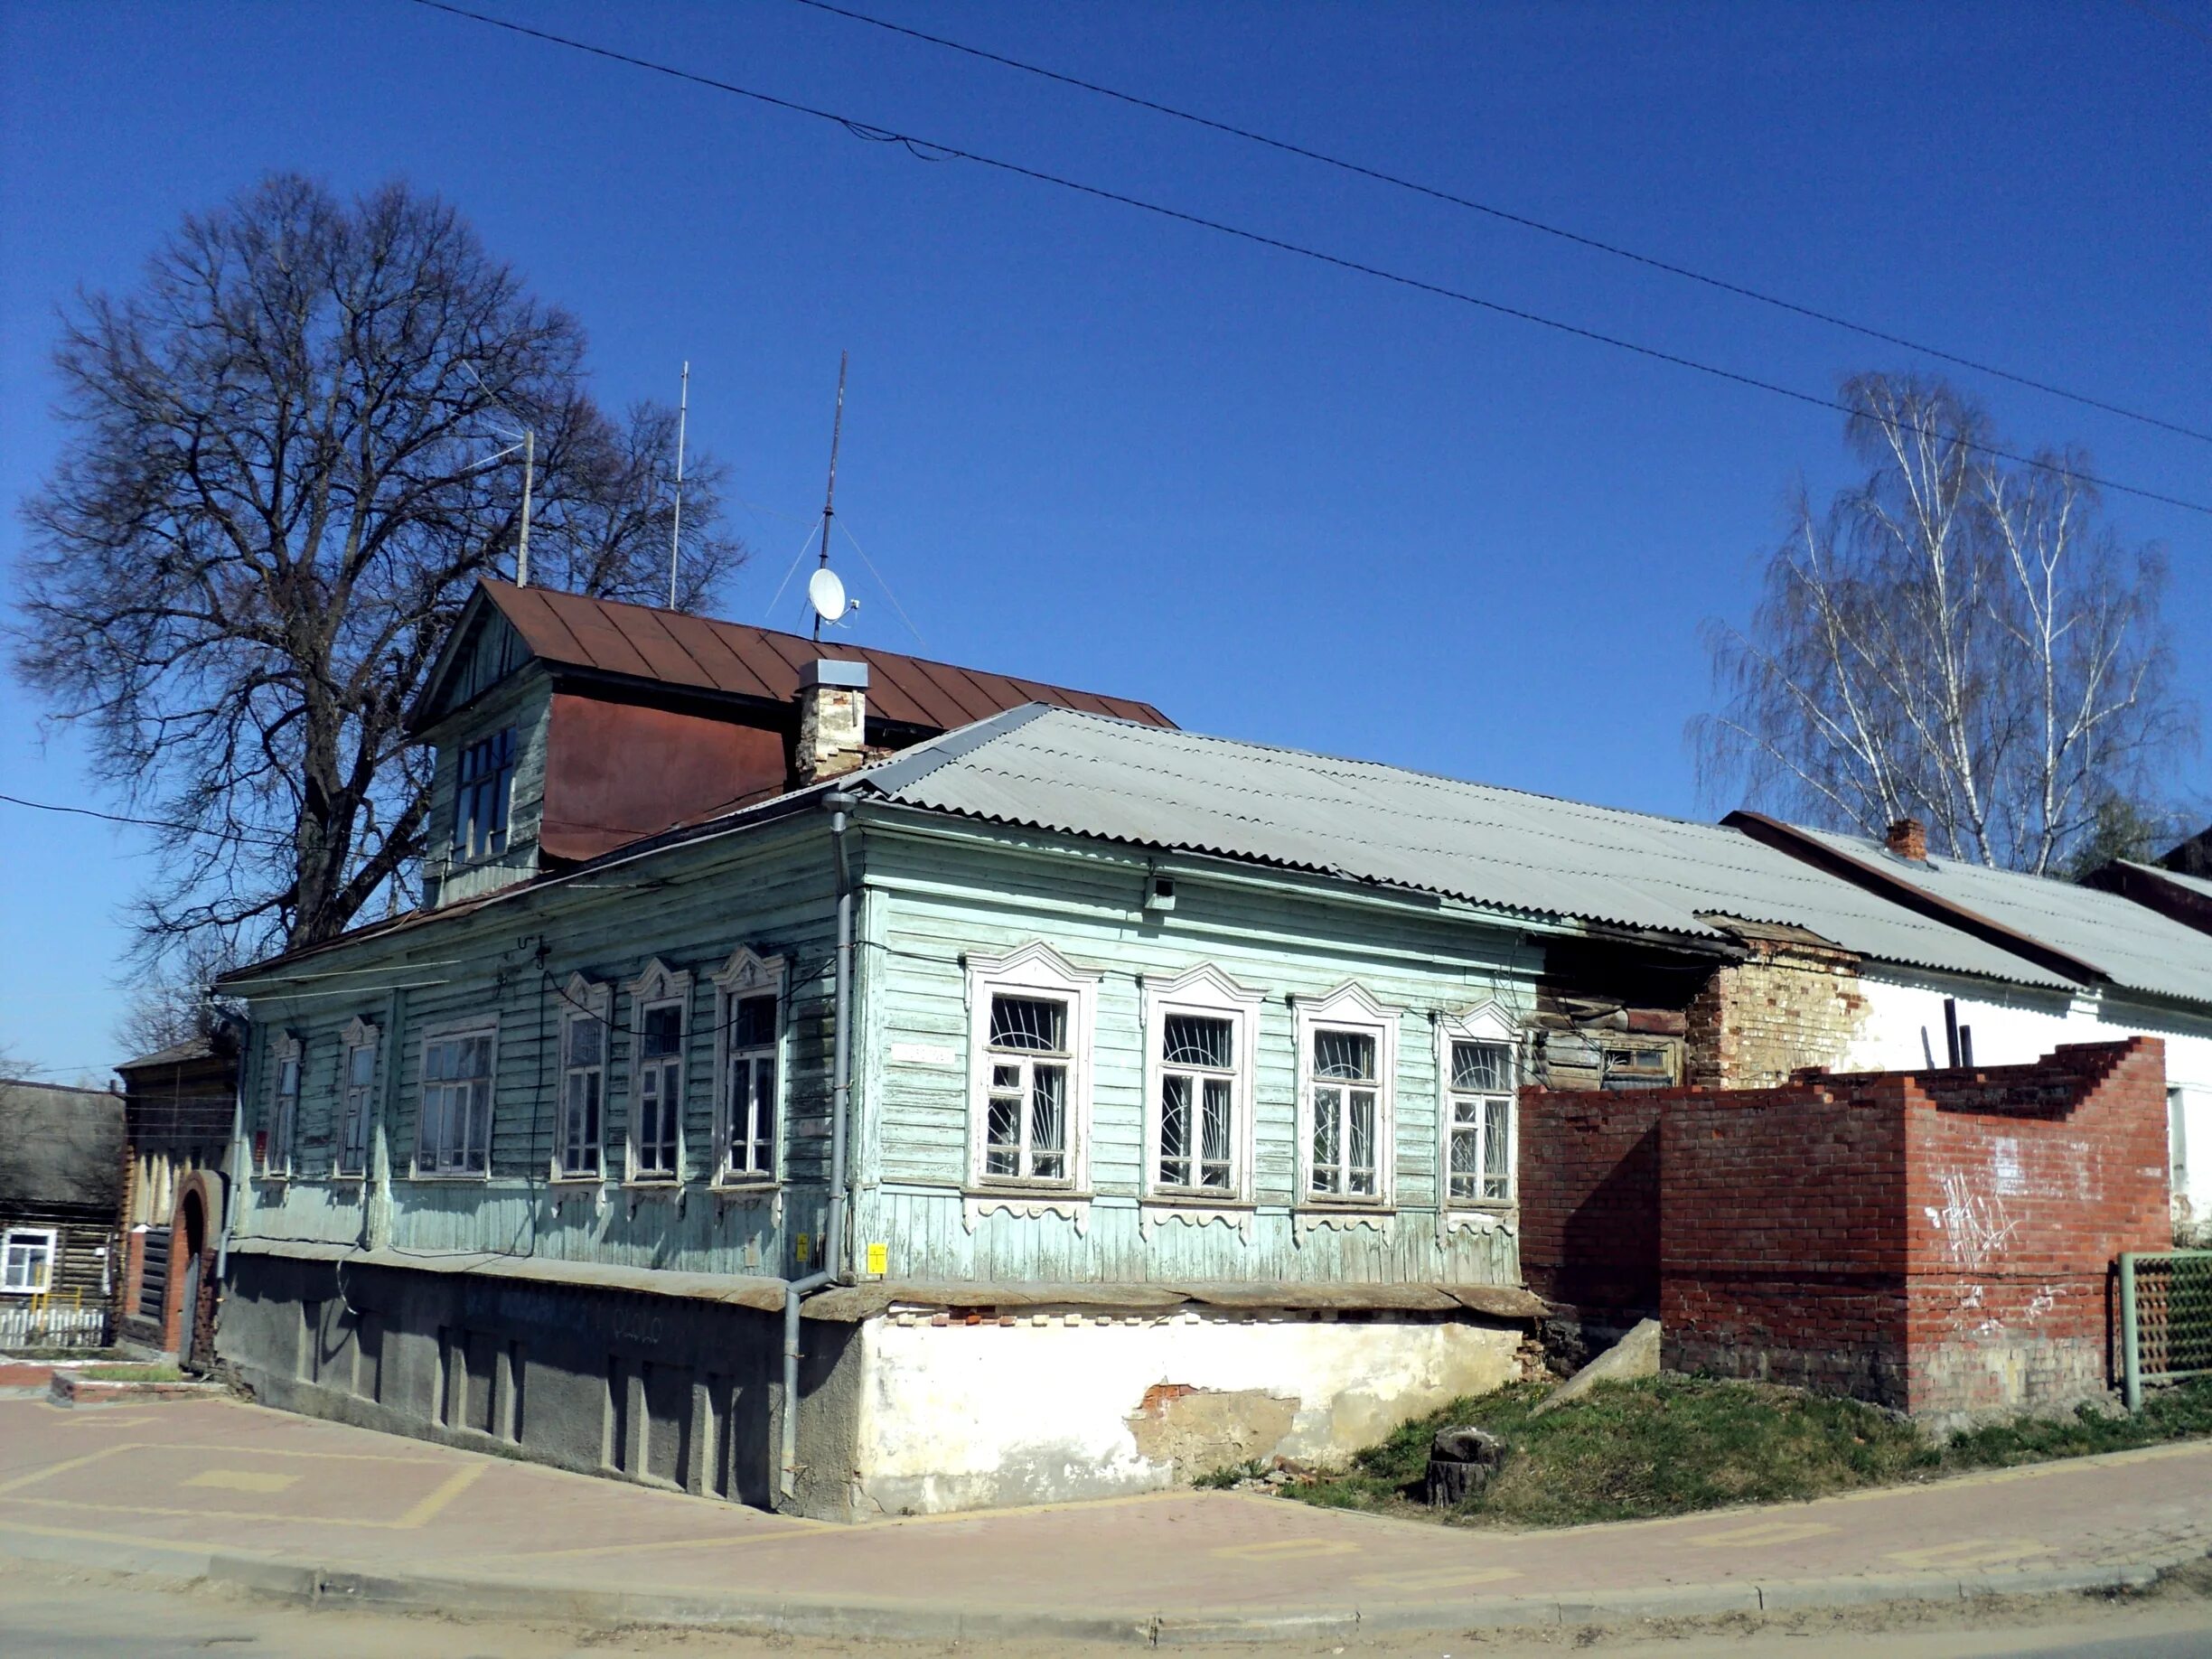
283,477
1956,639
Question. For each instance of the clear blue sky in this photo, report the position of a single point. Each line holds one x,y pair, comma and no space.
1285,502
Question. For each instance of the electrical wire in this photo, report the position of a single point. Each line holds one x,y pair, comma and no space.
916,145
269,837
1524,221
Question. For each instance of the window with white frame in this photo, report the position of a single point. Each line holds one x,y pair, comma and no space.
583,1090
1347,1064
289,1056
749,1024
357,1103
27,1261
1475,1060
1029,1060
454,1122
660,1023
1200,1038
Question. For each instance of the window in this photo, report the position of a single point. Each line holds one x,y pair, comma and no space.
480,796
1641,1067
1479,1121
748,1018
1347,1060
454,1129
27,1262
284,1105
660,1005
583,1092
1199,1029
1030,1064
358,1099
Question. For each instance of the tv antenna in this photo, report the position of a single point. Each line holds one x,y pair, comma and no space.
825,591
683,411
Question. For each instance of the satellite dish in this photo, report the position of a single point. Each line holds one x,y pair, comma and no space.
825,593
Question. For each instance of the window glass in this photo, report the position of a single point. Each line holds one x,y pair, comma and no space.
480,793
658,1134
453,1134
750,1126
584,1042
1026,1128
357,1110
1342,1162
1197,1100
26,1262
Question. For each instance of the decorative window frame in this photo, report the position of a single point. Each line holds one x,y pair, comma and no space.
657,985
581,998
447,1031
1349,1007
359,1033
286,1047
1035,968
1487,1022
747,973
52,1236
1205,991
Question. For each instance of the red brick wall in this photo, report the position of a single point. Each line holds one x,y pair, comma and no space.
1941,1242
1589,1198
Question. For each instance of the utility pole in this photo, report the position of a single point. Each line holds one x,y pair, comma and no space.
683,411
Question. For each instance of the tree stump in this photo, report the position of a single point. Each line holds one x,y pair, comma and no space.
1461,1463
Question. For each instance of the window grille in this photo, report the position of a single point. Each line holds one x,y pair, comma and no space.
1344,1089
1026,1135
1480,1163
1197,1094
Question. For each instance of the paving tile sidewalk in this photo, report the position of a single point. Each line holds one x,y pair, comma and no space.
308,1503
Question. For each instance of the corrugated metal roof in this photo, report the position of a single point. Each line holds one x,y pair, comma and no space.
2130,945
2195,884
1057,770
708,655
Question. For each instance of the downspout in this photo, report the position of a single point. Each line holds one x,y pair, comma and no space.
833,1235
235,1179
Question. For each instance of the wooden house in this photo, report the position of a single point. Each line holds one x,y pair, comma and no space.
60,1176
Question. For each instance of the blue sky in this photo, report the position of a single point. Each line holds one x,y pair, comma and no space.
1283,502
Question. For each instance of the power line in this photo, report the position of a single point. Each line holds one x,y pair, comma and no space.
1509,217
267,837
918,147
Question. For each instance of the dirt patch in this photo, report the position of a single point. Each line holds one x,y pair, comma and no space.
1202,1430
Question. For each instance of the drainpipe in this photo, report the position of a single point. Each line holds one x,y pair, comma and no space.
833,1237
235,1178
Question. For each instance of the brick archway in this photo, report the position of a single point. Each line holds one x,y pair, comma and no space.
194,1224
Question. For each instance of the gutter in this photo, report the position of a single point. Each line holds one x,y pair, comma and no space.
784,1476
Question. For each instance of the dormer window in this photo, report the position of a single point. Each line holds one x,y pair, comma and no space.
480,796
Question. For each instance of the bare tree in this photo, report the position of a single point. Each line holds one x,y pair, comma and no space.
282,478
1957,639
170,1002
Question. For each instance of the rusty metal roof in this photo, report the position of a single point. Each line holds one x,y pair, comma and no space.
700,653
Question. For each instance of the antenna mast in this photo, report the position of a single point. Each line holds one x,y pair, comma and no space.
530,468
683,411
837,430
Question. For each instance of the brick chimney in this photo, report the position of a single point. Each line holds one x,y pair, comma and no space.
832,720
1907,838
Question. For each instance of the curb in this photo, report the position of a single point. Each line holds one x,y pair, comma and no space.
540,1601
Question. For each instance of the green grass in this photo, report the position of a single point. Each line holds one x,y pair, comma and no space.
1669,1445
131,1374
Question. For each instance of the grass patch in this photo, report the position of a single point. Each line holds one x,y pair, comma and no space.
1666,1446
131,1374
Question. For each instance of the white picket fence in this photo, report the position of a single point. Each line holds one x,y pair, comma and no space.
41,1322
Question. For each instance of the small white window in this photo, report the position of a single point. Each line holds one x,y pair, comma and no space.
660,1026
1200,1032
749,1021
358,1105
1477,1066
1347,1064
583,1092
1031,1018
289,1056
453,1124
27,1262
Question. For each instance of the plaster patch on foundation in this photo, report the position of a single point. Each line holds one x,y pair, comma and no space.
1200,1429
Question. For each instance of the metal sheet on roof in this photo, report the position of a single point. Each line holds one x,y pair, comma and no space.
1077,774
2131,944
702,653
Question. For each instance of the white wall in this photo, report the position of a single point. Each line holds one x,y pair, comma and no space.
1905,1026
1053,1406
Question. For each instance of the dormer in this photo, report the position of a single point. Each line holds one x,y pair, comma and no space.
566,727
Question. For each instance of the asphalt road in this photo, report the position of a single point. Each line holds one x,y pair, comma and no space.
55,1613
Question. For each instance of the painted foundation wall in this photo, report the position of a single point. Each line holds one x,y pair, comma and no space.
2013,1026
1057,1404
